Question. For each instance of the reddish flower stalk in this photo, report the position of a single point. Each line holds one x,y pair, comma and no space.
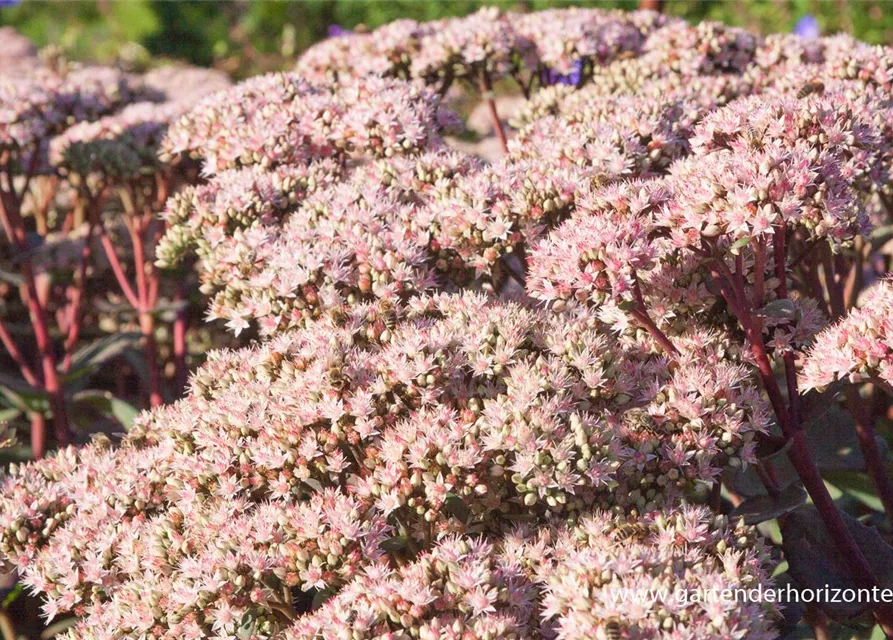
117,269
181,323
73,312
486,87
146,292
640,313
788,418
874,460
13,224
140,300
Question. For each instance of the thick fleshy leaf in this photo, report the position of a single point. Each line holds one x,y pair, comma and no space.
779,309
107,405
814,561
100,351
765,507
858,486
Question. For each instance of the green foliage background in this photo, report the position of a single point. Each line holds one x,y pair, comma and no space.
245,37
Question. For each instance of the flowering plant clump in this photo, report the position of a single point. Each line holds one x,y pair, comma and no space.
412,421
488,396
79,169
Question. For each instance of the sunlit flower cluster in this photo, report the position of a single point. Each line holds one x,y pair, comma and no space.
486,394
576,37
856,348
304,463
684,553
281,119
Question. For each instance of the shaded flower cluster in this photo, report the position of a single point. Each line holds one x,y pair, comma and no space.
117,148
37,107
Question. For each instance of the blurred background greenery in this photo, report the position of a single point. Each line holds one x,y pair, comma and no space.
251,36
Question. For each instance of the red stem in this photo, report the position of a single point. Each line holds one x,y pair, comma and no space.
139,263
150,349
180,326
487,94
10,213
874,461
77,297
799,453
640,313
16,355
109,250
147,320
38,435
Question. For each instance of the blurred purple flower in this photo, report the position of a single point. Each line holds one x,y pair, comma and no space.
550,76
807,27
335,30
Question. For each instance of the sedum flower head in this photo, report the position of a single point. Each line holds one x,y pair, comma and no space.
856,348
303,464
117,148
682,552
41,105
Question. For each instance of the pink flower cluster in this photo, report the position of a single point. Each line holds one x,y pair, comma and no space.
690,551
43,104
281,119
856,348
118,147
301,463
565,38
575,43
417,448
758,164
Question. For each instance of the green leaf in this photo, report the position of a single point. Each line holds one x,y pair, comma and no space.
767,451
878,634
100,351
740,243
814,561
23,396
57,627
11,277
13,595
7,415
108,405
21,453
880,239
857,485
782,309
814,405
762,508
833,437
456,507
320,597
247,626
